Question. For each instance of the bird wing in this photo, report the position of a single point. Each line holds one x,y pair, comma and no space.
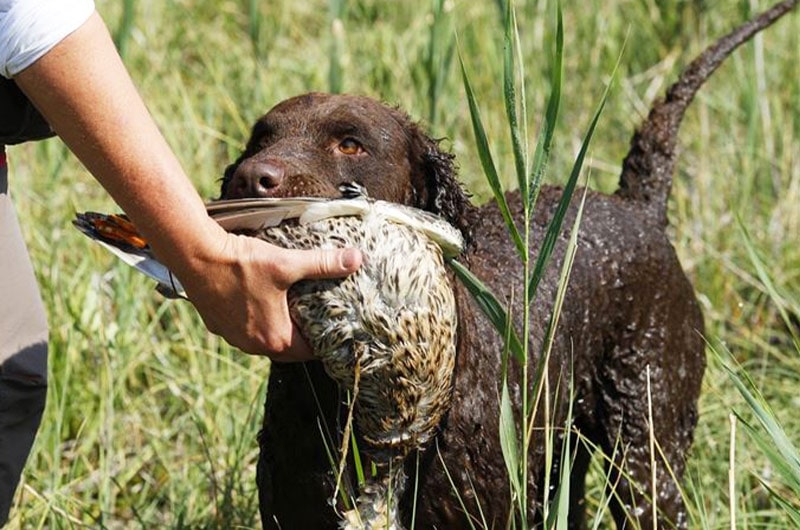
119,235
256,214
448,237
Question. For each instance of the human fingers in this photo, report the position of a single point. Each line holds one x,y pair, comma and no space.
320,264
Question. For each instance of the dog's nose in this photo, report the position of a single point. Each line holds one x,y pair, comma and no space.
256,178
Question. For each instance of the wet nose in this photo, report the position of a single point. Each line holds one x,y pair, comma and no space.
256,178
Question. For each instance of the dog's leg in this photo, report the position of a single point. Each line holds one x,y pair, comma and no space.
656,365
295,476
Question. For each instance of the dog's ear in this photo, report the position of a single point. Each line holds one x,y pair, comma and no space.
435,182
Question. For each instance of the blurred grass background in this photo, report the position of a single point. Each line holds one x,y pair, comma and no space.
151,422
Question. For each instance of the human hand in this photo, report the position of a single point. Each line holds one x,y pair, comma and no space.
239,284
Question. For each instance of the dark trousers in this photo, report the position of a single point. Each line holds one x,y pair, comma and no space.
23,350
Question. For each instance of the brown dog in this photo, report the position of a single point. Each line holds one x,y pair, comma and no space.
629,310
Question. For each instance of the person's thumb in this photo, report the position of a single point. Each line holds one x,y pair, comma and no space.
320,264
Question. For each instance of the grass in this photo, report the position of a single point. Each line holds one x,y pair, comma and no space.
151,422
516,433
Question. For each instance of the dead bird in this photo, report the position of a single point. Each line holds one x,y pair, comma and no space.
386,333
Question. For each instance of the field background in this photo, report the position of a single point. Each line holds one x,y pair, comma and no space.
151,422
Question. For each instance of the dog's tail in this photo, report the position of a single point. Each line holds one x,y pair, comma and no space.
648,167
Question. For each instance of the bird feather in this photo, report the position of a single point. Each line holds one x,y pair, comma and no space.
119,236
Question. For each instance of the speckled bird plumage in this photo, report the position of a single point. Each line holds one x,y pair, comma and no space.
386,333
394,317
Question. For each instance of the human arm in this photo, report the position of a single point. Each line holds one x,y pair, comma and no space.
237,284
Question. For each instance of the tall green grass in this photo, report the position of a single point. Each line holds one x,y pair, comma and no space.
151,422
516,433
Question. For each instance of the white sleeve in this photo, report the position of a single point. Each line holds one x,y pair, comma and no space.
30,28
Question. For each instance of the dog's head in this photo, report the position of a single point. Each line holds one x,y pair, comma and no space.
311,145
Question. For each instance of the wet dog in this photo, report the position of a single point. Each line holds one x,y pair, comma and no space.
630,318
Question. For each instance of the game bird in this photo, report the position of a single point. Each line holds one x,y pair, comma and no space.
386,333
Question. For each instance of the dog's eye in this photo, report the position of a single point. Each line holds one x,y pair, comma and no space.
350,146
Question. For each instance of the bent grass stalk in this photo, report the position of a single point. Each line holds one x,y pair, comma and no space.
732,471
652,441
